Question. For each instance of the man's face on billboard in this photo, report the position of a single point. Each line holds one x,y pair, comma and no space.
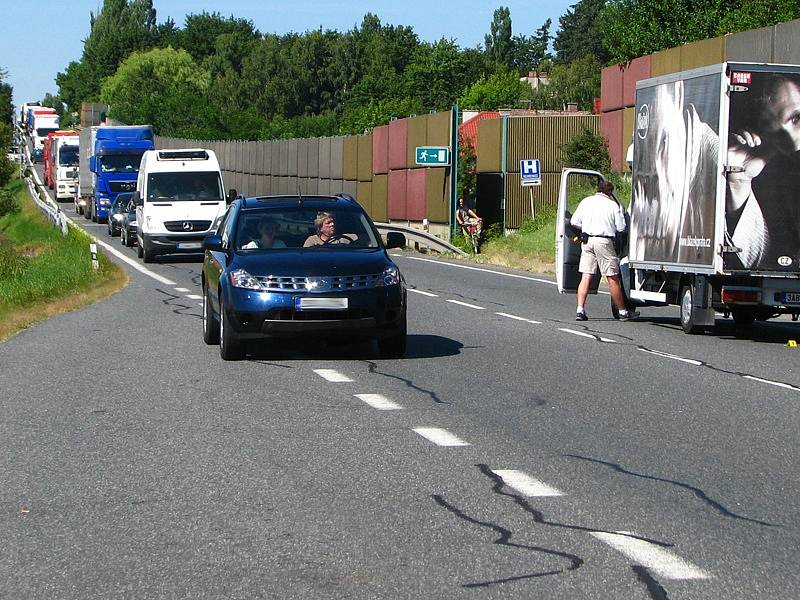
783,113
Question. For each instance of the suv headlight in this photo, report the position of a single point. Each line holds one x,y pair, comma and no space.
242,279
391,276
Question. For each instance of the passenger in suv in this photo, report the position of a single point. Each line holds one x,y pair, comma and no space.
260,293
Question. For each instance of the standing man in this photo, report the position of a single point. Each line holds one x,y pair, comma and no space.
600,219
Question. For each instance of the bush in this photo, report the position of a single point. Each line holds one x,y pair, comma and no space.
8,202
587,150
7,170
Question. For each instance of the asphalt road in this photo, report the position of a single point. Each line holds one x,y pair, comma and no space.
512,453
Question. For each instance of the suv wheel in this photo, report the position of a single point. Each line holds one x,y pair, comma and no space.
210,323
230,346
395,345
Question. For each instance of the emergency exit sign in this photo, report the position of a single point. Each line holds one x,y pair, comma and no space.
433,156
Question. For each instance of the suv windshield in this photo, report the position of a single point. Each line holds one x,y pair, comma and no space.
191,185
120,163
304,227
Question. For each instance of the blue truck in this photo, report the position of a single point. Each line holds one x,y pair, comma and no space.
109,165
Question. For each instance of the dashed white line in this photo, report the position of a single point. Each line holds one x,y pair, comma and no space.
182,290
516,318
467,304
690,361
440,437
650,556
194,297
513,275
769,382
332,375
378,402
525,484
587,335
423,293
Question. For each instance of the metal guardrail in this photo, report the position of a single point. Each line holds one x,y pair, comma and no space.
48,206
421,238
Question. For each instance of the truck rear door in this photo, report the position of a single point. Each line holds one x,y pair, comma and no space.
575,185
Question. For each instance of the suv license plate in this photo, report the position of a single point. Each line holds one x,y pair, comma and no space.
790,297
320,303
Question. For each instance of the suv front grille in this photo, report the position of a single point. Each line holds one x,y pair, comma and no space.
344,283
187,225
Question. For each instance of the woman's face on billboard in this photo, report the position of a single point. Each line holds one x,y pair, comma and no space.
783,113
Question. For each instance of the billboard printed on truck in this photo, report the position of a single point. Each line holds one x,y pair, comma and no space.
762,212
676,171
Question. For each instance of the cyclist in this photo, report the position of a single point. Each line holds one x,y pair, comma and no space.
467,216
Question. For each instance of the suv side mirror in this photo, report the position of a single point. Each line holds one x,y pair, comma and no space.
137,199
212,242
232,195
395,239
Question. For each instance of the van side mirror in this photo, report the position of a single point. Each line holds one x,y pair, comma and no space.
137,199
232,195
395,239
212,242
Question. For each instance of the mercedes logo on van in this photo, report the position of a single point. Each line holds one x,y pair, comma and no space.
784,261
643,121
187,226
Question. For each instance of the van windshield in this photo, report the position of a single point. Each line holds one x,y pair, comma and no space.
120,163
68,156
192,185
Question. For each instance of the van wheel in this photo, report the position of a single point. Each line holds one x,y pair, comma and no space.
147,254
230,346
139,250
687,315
210,323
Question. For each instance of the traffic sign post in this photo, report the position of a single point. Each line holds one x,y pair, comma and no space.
530,174
433,156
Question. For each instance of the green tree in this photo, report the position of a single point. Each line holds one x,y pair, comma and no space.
580,33
587,150
578,81
528,52
358,119
467,169
200,32
437,74
163,87
498,41
54,102
500,90
754,14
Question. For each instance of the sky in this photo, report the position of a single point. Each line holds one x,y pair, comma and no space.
47,35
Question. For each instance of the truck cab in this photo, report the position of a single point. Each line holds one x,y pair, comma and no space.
64,169
179,201
117,152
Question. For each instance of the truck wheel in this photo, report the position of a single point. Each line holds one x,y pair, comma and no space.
743,316
94,215
687,316
210,323
230,346
87,211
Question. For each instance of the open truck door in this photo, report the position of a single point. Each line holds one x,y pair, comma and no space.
575,185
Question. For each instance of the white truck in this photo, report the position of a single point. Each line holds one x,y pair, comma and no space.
65,160
41,123
714,214
179,201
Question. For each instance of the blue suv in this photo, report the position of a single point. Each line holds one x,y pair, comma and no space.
290,266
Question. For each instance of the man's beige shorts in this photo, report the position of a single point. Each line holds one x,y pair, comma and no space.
599,252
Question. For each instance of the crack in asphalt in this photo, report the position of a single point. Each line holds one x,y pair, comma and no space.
170,301
505,540
538,516
654,588
696,491
373,368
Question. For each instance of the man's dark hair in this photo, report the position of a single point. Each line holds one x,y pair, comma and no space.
604,186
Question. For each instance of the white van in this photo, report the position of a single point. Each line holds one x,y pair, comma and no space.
179,200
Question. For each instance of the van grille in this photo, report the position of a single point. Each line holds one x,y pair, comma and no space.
187,225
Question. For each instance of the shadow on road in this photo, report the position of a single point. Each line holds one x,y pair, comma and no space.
765,332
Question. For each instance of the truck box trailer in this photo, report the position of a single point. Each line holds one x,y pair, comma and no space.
714,216
41,122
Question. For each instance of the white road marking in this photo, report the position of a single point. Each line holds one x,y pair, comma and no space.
769,382
379,402
423,293
525,484
587,335
182,290
651,556
332,375
467,305
194,297
440,437
690,361
515,317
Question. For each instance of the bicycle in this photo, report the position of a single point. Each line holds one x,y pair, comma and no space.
472,231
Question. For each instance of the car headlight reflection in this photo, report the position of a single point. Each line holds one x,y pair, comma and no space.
242,279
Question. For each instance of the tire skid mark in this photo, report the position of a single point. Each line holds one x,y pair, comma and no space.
373,368
178,308
505,540
538,516
465,298
695,490
654,588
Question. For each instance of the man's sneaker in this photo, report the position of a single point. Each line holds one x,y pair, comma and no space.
631,315
581,316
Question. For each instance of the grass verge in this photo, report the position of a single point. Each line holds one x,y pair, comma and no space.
43,273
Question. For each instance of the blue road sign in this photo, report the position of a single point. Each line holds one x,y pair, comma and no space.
433,155
530,172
